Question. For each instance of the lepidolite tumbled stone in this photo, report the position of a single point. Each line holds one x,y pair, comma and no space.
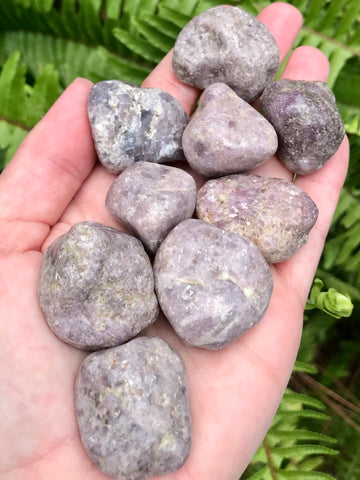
132,409
130,123
212,285
275,214
96,287
227,135
150,199
307,121
228,45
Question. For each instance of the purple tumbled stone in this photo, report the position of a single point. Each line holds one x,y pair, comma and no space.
226,44
132,409
150,199
307,122
212,285
96,287
227,135
131,123
275,214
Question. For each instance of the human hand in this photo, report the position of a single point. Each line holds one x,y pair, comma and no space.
53,182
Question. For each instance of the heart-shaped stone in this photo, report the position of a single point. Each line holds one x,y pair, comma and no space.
227,135
130,123
151,199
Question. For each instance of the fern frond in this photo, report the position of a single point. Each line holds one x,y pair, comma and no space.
303,475
304,367
22,105
71,59
289,449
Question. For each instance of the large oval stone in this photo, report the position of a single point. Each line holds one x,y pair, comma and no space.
227,135
130,123
150,199
275,214
212,285
96,287
226,44
307,121
132,409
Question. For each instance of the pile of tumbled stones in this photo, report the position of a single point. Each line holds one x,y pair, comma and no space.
98,287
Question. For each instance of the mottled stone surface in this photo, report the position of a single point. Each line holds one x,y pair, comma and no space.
130,123
132,409
96,287
228,45
227,135
307,121
150,199
275,214
212,285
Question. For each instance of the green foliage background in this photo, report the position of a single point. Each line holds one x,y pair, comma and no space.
45,44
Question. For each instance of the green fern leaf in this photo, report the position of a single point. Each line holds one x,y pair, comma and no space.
301,434
138,46
163,26
294,399
44,93
154,37
287,415
43,6
71,59
173,16
304,367
263,474
287,475
299,451
113,8
10,138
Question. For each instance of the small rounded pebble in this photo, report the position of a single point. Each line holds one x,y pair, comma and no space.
275,214
150,199
307,121
96,287
212,285
228,45
132,409
130,124
227,135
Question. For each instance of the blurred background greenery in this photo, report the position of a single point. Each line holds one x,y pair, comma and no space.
45,44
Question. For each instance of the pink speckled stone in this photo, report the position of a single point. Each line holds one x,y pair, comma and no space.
275,214
212,285
151,199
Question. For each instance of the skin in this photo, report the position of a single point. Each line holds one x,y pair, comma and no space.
52,182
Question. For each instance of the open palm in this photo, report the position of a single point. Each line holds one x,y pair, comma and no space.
54,181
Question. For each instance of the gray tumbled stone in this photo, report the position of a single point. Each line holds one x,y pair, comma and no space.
228,45
212,285
150,199
130,123
307,121
132,409
227,135
275,214
96,287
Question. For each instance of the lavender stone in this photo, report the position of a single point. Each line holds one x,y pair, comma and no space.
227,135
96,287
130,123
132,409
275,214
150,199
228,45
212,285
307,121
